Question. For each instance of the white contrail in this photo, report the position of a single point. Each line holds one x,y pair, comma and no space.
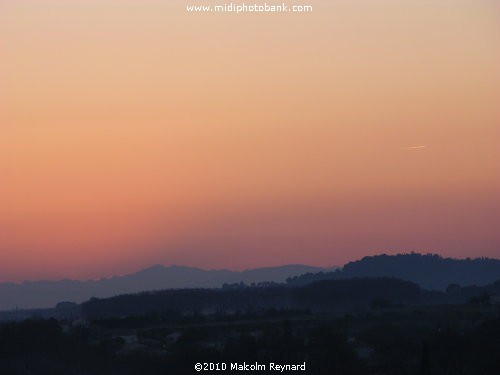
416,147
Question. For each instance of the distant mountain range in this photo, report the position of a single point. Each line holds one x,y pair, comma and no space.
45,294
429,271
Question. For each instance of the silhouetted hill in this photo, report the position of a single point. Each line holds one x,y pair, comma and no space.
430,271
320,296
45,294
327,295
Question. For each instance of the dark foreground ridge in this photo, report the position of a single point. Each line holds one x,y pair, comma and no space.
361,326
318,297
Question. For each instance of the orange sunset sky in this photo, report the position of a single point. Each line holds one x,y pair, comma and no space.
135,133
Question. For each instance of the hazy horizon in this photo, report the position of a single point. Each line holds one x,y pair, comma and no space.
172,265
152,266
135,133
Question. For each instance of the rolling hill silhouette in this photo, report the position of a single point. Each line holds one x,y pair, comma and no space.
429,271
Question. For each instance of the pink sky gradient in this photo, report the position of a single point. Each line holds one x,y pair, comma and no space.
134,133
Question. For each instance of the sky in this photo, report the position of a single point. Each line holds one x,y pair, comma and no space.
134,133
